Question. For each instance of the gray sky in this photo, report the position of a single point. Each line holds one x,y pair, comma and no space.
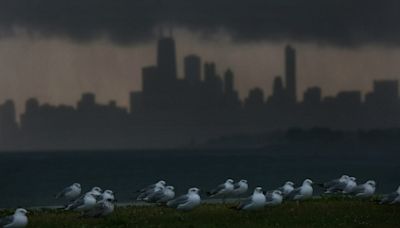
56,49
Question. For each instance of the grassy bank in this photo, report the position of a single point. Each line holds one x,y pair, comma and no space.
315,213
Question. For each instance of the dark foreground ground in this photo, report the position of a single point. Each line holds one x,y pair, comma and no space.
315,213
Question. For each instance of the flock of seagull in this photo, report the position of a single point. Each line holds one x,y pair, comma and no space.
98,203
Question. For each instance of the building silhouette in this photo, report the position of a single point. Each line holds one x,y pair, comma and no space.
173,111
192,69
290,73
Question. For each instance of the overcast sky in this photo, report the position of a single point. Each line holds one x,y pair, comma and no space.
57,49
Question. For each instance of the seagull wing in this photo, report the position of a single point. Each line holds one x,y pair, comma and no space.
293,193
269,196
216,190
331,183
63,192
155,196
6,220
97,210
178,201
152,186
340,186
236,186
244,203
358,189
78,202
389,198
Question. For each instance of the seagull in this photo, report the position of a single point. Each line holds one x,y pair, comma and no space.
391,198
18,219
286,189
254,202
223,190
96,191
365,190
240,188
186,202
161,196
83,203
274,198
102,208
305,191
336,185
70,193
107,194
350,185
144,192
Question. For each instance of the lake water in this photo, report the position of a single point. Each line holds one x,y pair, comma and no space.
32,178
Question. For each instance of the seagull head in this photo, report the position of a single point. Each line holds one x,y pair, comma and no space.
77,185
371,183
170,188
344,177
308,181
109,192
277,192
289,183
243,181
96,191
194,190
230,181
21,211
353,178
162,182
258,190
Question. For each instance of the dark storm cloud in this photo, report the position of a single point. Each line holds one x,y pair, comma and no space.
339,22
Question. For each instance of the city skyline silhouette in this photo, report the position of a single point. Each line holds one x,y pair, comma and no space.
198,107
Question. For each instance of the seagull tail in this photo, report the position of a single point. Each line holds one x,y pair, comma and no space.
209,194
236,208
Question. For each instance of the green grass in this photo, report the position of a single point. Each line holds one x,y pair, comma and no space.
315,213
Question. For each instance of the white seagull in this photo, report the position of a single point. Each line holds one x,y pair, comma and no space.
144,192
336,185
240,188
186,202
350,185
107,194
305,191
161,196
102,208
70,193
274,198
287,188
83,203
365,190
223,190
96,191
254,202
17,220
391,198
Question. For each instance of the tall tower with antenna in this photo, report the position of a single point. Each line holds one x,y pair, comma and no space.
166,57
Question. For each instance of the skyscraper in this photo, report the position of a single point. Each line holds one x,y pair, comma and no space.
228,79
192,68
166,59
209,72
290,73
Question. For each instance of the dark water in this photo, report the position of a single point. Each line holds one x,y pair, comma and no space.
32,178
